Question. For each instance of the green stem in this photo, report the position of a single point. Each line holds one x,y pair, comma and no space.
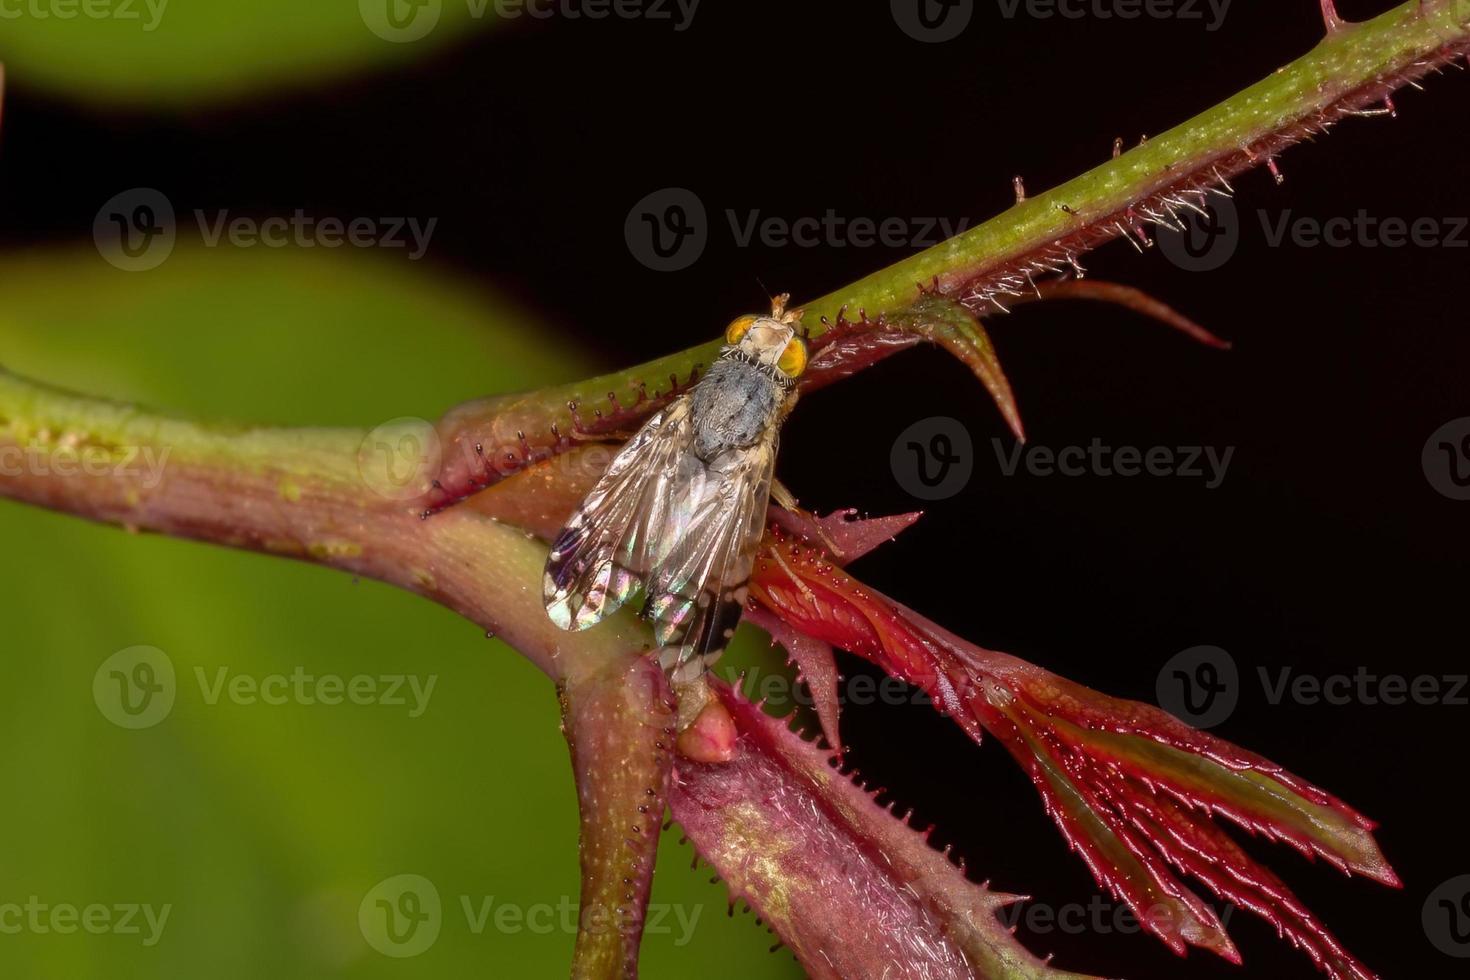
298,493
1356,65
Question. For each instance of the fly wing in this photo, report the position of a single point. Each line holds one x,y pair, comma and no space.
602,554
701,563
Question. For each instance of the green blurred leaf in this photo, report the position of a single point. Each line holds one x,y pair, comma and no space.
188,51
264,826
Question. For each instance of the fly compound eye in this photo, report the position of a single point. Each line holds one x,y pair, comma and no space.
738,329
793,358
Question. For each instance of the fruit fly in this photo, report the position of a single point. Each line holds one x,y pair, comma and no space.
681,509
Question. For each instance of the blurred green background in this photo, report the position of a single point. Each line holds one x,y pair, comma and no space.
174,52
264,827
259,830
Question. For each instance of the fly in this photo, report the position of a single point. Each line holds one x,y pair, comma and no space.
681,509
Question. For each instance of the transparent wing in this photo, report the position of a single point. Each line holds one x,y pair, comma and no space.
700,563
601,555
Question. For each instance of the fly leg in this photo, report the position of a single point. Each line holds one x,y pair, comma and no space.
783,497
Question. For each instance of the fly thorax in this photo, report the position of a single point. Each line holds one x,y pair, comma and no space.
734,404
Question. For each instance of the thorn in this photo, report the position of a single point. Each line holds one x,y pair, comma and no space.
1020,188
1122,231
1193,207
1275,170
1117,147
1329,17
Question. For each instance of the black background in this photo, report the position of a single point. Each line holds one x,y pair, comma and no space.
1325,548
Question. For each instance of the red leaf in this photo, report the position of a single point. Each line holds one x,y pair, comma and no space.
1132,788
855,892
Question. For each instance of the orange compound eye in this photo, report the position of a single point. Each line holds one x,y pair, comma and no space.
793,358
738,329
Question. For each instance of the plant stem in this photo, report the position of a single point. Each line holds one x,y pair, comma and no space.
298,493
1355,67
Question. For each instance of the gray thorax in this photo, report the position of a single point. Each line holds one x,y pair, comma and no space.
735,403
